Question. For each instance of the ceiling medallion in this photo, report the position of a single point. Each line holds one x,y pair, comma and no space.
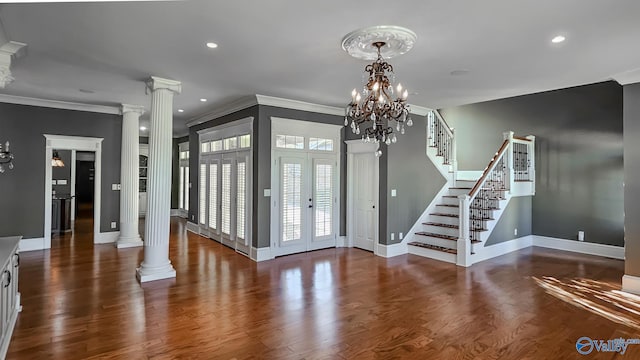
375,104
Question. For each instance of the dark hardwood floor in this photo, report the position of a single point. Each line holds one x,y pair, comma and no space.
82,301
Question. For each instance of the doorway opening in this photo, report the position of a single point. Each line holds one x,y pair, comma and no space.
84,191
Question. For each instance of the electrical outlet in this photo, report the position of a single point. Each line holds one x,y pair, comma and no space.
580,235
393,236
400,236
393,194
193,217
515,232
114,187
267,192
113,225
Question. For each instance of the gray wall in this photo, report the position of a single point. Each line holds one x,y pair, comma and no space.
579,155
415,178
62,173
22,212
517,215
632,178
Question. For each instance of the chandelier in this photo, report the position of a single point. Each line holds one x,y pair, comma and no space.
380,106
6,157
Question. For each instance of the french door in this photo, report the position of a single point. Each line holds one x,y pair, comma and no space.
305,201
224,197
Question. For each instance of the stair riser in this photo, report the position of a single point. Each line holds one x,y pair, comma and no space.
458,192
450,201
432,254
440,230
447,210
449,244
444,220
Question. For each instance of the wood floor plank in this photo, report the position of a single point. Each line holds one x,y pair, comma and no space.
82,301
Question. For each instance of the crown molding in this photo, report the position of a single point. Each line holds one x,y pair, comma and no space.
55,104
299,105
419,110
265,100
628,77
223,110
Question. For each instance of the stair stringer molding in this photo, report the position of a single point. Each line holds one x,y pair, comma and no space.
449,177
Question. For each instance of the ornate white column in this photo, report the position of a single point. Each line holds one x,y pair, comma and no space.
9,51
156,264
129,177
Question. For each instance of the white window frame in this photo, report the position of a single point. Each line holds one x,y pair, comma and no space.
183,186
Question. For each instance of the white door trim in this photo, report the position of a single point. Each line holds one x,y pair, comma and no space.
359,147
77,143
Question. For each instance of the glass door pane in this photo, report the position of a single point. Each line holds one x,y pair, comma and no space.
226,199
203,194
180,189
186,188
213,195
241,198
323,217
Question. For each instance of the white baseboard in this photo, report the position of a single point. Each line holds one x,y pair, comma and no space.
31,244
193,227
392,250
261,254
342,242
610,251
107,237
631,284
491,251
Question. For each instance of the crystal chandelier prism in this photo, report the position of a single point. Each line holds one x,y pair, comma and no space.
381,106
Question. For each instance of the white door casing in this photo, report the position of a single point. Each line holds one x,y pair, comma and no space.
305,185
362,195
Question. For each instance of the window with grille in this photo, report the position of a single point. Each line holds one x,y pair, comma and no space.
230,143
213,196
203,194
240,199
226,199
320,144
322,198
216,145
205,147
245,141
290,142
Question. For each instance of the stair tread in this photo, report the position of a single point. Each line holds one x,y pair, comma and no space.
439,236
448,205
442,214
441,225
434,247
460,188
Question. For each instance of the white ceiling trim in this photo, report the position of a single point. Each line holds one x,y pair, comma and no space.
628,77
55,104
299,105
223,110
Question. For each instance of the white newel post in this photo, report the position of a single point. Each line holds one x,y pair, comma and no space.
508,135
464,242
156,264
532,158
454,155
129,176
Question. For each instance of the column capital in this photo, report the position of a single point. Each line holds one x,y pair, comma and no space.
155,83
133,108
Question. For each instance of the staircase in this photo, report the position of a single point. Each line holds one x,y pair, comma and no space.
461,218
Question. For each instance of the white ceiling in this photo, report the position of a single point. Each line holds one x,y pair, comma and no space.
291,49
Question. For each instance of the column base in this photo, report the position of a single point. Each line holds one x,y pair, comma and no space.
631,284
146,274
128,243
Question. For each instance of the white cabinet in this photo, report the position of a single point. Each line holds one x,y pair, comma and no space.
9,295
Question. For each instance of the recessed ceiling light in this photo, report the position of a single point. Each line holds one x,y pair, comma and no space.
143,128
203,100
558,39
212,45
180,110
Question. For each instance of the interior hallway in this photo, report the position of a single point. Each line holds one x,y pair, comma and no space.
83,301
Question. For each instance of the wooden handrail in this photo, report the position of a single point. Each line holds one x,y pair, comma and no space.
521,138
446,126
489,168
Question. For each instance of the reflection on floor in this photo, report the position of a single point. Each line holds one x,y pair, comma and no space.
82,301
